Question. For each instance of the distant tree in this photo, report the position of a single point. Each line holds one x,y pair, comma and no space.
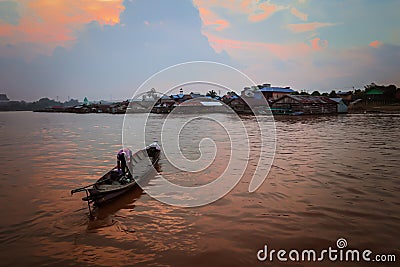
152,94
229,95
315,93
36,105
359,94
212,93
71,103
333,94
304,93
15,105
44,100
370,86
325,94
390,91
295,93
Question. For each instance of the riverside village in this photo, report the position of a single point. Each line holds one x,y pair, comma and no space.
261,98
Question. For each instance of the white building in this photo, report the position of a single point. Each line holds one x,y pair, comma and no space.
341,106
4,99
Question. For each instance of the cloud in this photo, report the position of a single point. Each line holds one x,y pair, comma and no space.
311,65
210,19
318,44
9,12
111,60
299,14
308,27
254,10
48,24
267,53
94,48
243,49
263,11
376,44
335,68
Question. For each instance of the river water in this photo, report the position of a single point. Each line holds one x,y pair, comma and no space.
332,177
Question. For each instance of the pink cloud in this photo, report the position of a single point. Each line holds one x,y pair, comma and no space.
308,27
318,44
210,19
299,14
254,10
48,24
239,49
376,44
263,11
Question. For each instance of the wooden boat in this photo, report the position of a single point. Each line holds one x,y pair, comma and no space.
113,183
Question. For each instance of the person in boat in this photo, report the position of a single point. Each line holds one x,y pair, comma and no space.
153,148
123,158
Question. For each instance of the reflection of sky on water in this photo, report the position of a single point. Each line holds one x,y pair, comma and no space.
332,176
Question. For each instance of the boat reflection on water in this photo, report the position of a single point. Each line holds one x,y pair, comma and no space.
105,215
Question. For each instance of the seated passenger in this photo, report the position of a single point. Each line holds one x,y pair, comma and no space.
153,148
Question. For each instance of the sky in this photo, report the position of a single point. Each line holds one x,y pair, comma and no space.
105,49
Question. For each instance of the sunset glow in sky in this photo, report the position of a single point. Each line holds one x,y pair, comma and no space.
107,48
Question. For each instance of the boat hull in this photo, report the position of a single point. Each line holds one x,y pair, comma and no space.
100,198
112,184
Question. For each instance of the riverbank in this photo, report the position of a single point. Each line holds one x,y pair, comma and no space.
388,108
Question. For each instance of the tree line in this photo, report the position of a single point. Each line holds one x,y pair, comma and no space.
388,92
36,105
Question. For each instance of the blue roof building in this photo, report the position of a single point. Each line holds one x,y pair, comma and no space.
285,90
269,92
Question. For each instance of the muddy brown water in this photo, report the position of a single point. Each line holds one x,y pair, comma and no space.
332,177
